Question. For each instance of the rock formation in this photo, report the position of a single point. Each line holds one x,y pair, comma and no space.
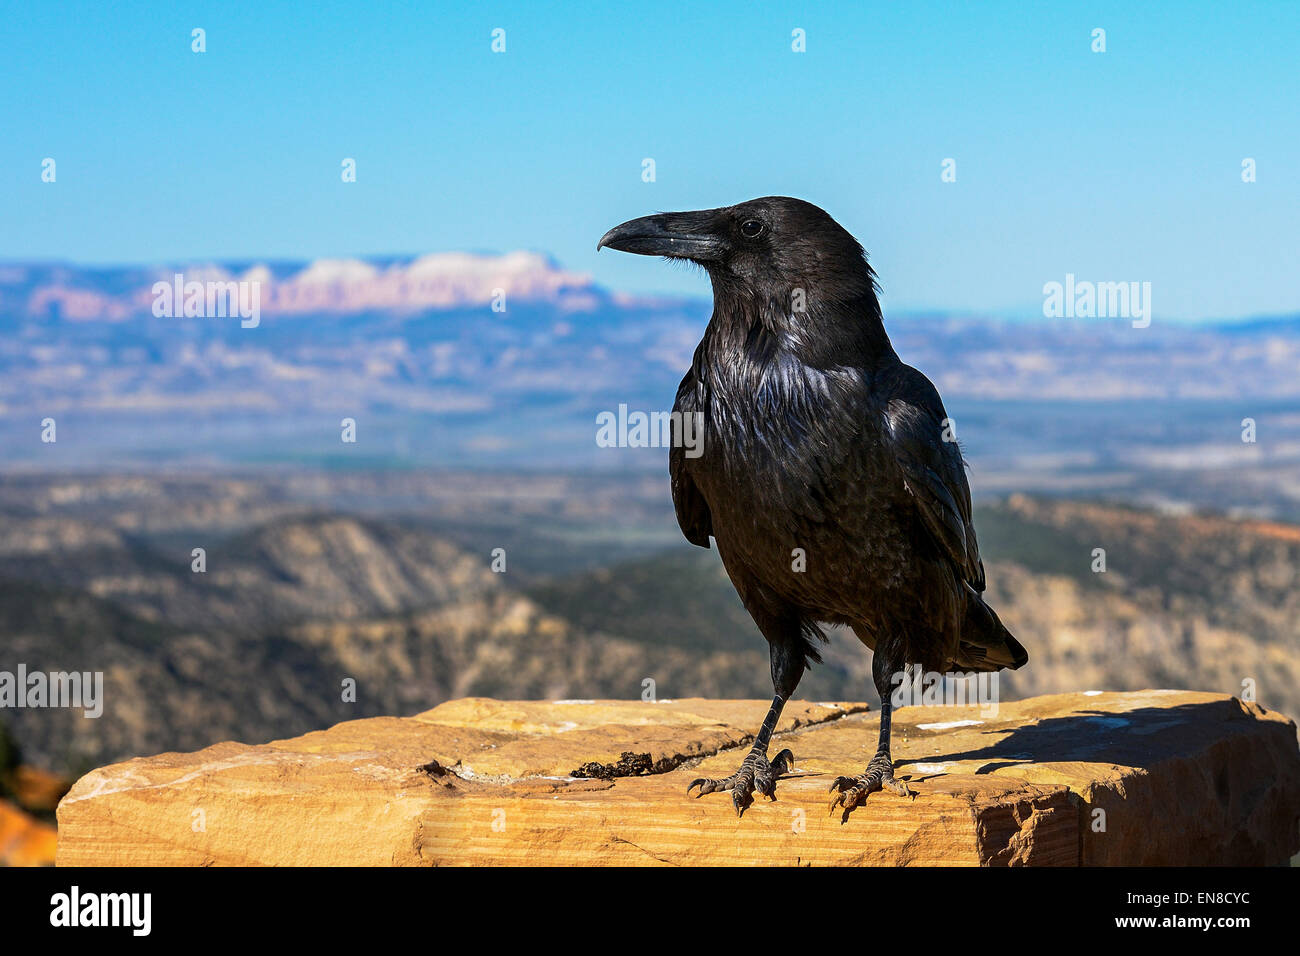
1155,777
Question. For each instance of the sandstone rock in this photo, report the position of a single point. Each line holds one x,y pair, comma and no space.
1152,777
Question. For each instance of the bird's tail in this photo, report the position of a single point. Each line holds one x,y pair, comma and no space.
985,644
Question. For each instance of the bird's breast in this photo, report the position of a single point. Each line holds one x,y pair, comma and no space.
800,484
781,441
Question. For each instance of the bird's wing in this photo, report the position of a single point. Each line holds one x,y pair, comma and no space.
692,510
933,470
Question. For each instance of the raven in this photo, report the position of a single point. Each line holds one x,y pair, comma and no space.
829,475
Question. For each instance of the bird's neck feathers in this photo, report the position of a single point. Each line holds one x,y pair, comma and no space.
801,320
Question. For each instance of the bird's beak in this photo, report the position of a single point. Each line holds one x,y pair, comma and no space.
677,235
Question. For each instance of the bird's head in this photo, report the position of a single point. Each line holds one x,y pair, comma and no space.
785,253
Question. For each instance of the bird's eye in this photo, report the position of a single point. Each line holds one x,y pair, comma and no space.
751,228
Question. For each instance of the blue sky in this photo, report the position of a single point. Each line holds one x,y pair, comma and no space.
1123,165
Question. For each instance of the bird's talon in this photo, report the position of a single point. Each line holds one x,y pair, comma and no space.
782,763
756,775
879,775
899,787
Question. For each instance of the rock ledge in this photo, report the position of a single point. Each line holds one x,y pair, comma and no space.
1154,777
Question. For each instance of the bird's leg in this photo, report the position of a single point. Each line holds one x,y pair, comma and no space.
756,771
878,775
849,792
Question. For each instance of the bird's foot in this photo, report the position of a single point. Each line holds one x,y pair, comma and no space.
853,791
755,774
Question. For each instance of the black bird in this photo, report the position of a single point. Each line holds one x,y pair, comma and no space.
829,475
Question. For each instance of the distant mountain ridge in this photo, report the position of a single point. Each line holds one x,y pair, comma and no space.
440,280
